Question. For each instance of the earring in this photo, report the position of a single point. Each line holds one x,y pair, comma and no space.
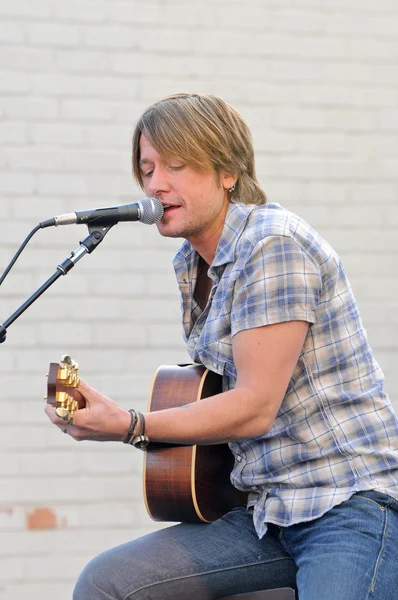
232,189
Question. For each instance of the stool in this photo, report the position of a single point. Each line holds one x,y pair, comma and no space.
276,594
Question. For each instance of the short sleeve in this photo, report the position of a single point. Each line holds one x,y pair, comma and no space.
279,282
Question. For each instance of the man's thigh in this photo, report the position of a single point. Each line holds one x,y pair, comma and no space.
189,562
351,553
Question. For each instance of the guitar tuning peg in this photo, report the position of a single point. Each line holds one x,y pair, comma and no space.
66,359
45,398
63,413
62,398
63,374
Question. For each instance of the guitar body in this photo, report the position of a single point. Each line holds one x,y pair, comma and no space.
187,483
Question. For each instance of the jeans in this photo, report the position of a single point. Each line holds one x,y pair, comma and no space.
350,553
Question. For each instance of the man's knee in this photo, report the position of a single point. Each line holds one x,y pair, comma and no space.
95,581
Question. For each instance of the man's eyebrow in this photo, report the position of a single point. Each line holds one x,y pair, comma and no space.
144,161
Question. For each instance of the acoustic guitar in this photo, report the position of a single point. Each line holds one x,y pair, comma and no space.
181,483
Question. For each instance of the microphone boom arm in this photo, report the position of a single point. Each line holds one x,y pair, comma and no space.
87,246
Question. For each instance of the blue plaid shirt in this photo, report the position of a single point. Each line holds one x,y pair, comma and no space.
336,432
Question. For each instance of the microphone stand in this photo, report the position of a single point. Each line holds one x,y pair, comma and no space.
88,245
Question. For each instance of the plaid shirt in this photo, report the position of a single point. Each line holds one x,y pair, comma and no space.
336,432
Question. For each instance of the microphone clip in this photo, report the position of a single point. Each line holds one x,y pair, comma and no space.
97,234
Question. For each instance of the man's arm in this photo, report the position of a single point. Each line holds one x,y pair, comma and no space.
265,358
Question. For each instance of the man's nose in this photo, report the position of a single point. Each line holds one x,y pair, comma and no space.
159,182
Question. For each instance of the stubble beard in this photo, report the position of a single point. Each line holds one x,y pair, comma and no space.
186,230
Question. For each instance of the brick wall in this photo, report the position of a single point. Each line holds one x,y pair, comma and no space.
317,80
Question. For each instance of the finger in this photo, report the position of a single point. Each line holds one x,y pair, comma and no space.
80,399
64,426
50,411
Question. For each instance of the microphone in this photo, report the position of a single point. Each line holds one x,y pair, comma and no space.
147,210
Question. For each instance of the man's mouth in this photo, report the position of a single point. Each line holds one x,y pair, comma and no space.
170,207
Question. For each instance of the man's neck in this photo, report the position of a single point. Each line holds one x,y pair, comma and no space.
206,242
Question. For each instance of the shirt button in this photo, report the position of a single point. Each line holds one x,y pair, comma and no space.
239,458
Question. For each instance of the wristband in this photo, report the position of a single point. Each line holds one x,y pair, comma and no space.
133,423
140,440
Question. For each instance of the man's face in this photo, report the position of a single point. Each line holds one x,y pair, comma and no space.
195,202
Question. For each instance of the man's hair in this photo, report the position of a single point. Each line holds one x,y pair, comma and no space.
207,134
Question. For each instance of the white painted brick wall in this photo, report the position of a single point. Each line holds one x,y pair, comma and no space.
317,80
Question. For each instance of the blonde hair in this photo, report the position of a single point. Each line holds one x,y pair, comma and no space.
208,134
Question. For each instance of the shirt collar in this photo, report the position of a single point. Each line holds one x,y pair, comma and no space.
235,222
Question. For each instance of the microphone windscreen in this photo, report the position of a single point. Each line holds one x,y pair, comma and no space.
152,210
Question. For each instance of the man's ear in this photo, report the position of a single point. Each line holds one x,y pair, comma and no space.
228,180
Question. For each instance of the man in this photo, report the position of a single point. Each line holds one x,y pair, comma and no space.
266,304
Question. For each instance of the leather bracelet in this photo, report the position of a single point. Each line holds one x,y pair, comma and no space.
133,423
141,440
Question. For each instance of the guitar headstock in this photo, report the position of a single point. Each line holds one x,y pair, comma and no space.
62,379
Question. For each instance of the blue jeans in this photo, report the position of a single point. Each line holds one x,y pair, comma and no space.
350,553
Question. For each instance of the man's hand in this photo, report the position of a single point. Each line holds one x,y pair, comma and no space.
99,417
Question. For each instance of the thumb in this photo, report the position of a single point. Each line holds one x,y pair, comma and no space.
84,395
